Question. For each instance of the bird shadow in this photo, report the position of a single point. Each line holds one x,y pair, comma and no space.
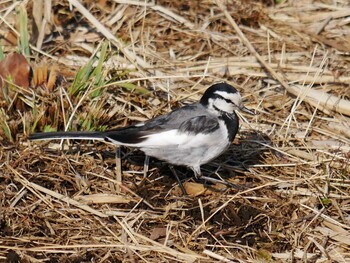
250,149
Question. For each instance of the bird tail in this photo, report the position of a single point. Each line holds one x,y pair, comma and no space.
93,135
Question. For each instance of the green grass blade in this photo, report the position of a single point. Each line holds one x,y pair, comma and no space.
2,56
4,125
23,30
89,74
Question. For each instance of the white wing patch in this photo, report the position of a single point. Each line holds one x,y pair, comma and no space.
166,138
183,140
172,138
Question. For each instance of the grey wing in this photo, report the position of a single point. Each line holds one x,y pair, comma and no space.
176,118
190,119
200,124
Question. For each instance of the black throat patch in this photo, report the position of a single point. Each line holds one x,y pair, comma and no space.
232,124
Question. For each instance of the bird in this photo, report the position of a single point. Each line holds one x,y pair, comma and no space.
191,135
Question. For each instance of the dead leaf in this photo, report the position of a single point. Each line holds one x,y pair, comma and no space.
103,199
158,232
340,236
15,67
51,82
102,3
46,76
40,75
11,38
196,189
38,16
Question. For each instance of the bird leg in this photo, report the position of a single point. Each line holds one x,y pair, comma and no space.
118,167
178,180
145,170
216,181
145,166
199,176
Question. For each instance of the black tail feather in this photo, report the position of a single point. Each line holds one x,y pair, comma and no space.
94,135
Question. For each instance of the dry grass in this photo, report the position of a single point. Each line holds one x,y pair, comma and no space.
291,63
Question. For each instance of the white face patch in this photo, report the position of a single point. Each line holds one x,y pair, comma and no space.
234,97
222,105
229,102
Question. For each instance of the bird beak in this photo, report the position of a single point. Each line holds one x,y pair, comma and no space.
244,109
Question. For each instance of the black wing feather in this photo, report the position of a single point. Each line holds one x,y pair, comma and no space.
128,135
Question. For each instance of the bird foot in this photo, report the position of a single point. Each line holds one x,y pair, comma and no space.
217,181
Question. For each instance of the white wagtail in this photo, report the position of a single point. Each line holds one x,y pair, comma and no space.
190,136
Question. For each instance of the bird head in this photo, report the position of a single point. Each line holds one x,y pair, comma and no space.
223,98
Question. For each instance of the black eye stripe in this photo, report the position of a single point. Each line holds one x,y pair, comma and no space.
222,98
227,100
217,109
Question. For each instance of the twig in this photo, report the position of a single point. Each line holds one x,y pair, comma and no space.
30,186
